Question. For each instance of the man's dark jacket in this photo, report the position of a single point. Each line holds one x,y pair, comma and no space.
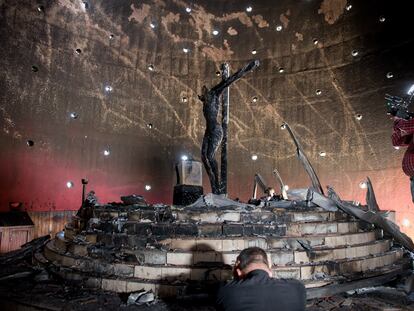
258,292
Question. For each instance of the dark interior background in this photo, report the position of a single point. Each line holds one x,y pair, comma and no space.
117,44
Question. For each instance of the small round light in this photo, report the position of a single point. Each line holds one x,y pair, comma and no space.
254,99
106,152
382,19
41,8
254,157
254,52
147,187
363,185
349,7
396,147
358,117
69,184
315,41
389,75
318,92
218,73
188,10
286,187
249,9
279,28
108,88
281,70
30,143
149,125
322,153
111,37
152,25
283,126
184,157
78,51
406,222
185,50
215,32
184,99
151,67
354,53
73,115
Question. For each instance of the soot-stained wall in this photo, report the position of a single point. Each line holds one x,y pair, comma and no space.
322,64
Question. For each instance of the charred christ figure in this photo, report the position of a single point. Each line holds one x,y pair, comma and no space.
214,131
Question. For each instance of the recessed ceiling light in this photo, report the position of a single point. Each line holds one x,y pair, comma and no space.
184,157
318,92
108,88
188,10
184,99
40,8
185,50
151,67
382,19
254,99
106,152
363,185
78,51
349,7
406,222
152,25
354,53
315,41
69,184
283,126
148,187
254,157
396,147
254,52
322,153
358,117
281,70
111,37
215,32
249,9
73,115
218,73
389,75
279,28
149,125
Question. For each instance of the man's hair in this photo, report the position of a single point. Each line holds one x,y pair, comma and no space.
252,255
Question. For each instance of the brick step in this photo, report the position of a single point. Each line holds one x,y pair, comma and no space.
165,289
233,229
315,241
218,216
277,257
159,268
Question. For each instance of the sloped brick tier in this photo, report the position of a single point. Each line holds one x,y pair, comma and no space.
170,250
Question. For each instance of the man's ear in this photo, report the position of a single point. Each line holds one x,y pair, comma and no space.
239,273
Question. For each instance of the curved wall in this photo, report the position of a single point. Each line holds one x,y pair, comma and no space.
116,46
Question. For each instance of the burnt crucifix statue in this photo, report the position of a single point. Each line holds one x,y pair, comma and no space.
214,131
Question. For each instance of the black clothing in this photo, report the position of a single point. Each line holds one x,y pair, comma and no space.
258,292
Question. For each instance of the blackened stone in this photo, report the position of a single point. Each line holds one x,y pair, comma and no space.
105,226
210,230
248,230
143,229
104,238
186,229
120,240
129,227
233,230
163,229
137,241
186,195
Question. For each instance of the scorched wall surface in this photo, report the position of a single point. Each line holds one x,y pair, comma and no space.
93,59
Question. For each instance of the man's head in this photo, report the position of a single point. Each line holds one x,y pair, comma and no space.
252,258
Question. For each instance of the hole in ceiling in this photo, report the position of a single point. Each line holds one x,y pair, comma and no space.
35,68
30,143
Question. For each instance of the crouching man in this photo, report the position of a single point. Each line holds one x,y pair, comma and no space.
253,287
